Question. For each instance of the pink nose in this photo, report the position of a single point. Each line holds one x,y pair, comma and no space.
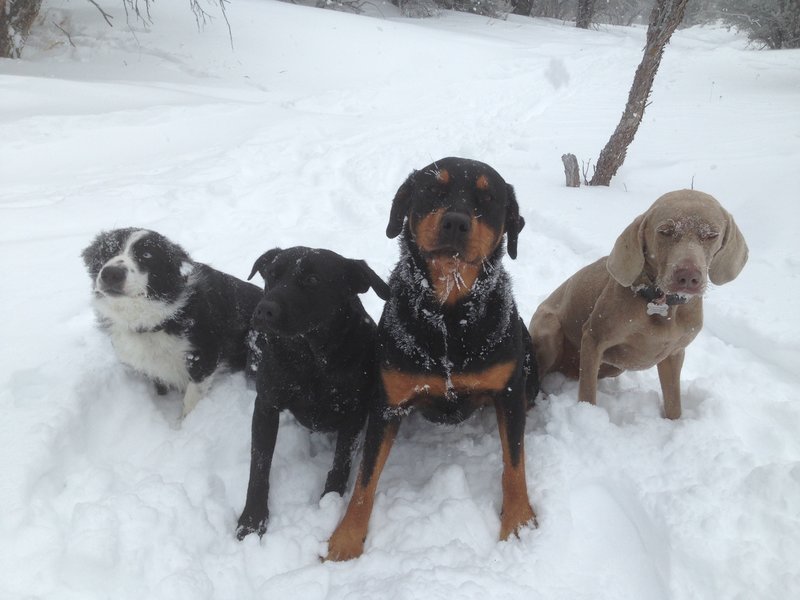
687,279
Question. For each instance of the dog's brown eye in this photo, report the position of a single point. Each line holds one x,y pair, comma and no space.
709,235
666,231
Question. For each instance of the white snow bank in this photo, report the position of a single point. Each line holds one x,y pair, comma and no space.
301,135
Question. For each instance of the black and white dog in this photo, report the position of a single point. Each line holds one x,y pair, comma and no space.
175,320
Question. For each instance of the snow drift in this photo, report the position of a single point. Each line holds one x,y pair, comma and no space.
301,135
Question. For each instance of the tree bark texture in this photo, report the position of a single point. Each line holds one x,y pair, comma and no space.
585,13
16,18
664,19
522,7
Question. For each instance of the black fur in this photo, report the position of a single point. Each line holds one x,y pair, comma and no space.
480,330
318,361
173,295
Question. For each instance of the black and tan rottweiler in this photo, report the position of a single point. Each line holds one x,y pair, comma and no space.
450,340
317,360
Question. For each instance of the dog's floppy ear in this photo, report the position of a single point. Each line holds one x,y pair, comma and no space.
362,278
262,262
732,255
400,206
92,257
514,222
626,261
105,245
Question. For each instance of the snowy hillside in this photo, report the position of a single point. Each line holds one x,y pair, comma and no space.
301,135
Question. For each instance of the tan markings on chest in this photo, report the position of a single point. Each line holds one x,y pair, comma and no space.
402,387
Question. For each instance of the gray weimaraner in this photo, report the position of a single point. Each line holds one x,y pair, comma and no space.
643,304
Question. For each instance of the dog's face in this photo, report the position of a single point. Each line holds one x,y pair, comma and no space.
305,288
457,207
129,266
682,241
456,212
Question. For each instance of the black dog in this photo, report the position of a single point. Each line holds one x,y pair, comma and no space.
318,361
450,339
175,320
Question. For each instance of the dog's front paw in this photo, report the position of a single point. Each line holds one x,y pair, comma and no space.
249,524
343,545
512,521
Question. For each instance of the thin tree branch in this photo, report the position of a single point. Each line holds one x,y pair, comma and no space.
106,16
222,4
66,33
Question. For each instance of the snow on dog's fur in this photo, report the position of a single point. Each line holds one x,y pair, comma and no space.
175,320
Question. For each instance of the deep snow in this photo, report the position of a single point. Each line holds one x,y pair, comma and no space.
301,135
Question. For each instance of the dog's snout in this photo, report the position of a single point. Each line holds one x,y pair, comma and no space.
267,313
113,277
454,228
456,222
687,278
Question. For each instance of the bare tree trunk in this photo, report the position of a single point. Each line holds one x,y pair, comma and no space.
522,7
666,16
16,18
585,13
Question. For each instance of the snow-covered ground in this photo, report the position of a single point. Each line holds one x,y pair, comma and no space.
301,135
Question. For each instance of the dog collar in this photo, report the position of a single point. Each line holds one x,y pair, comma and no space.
658,302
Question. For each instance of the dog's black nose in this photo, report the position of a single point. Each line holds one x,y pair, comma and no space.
267,313
113,277
454,228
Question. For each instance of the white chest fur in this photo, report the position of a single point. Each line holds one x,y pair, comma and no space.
157,354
